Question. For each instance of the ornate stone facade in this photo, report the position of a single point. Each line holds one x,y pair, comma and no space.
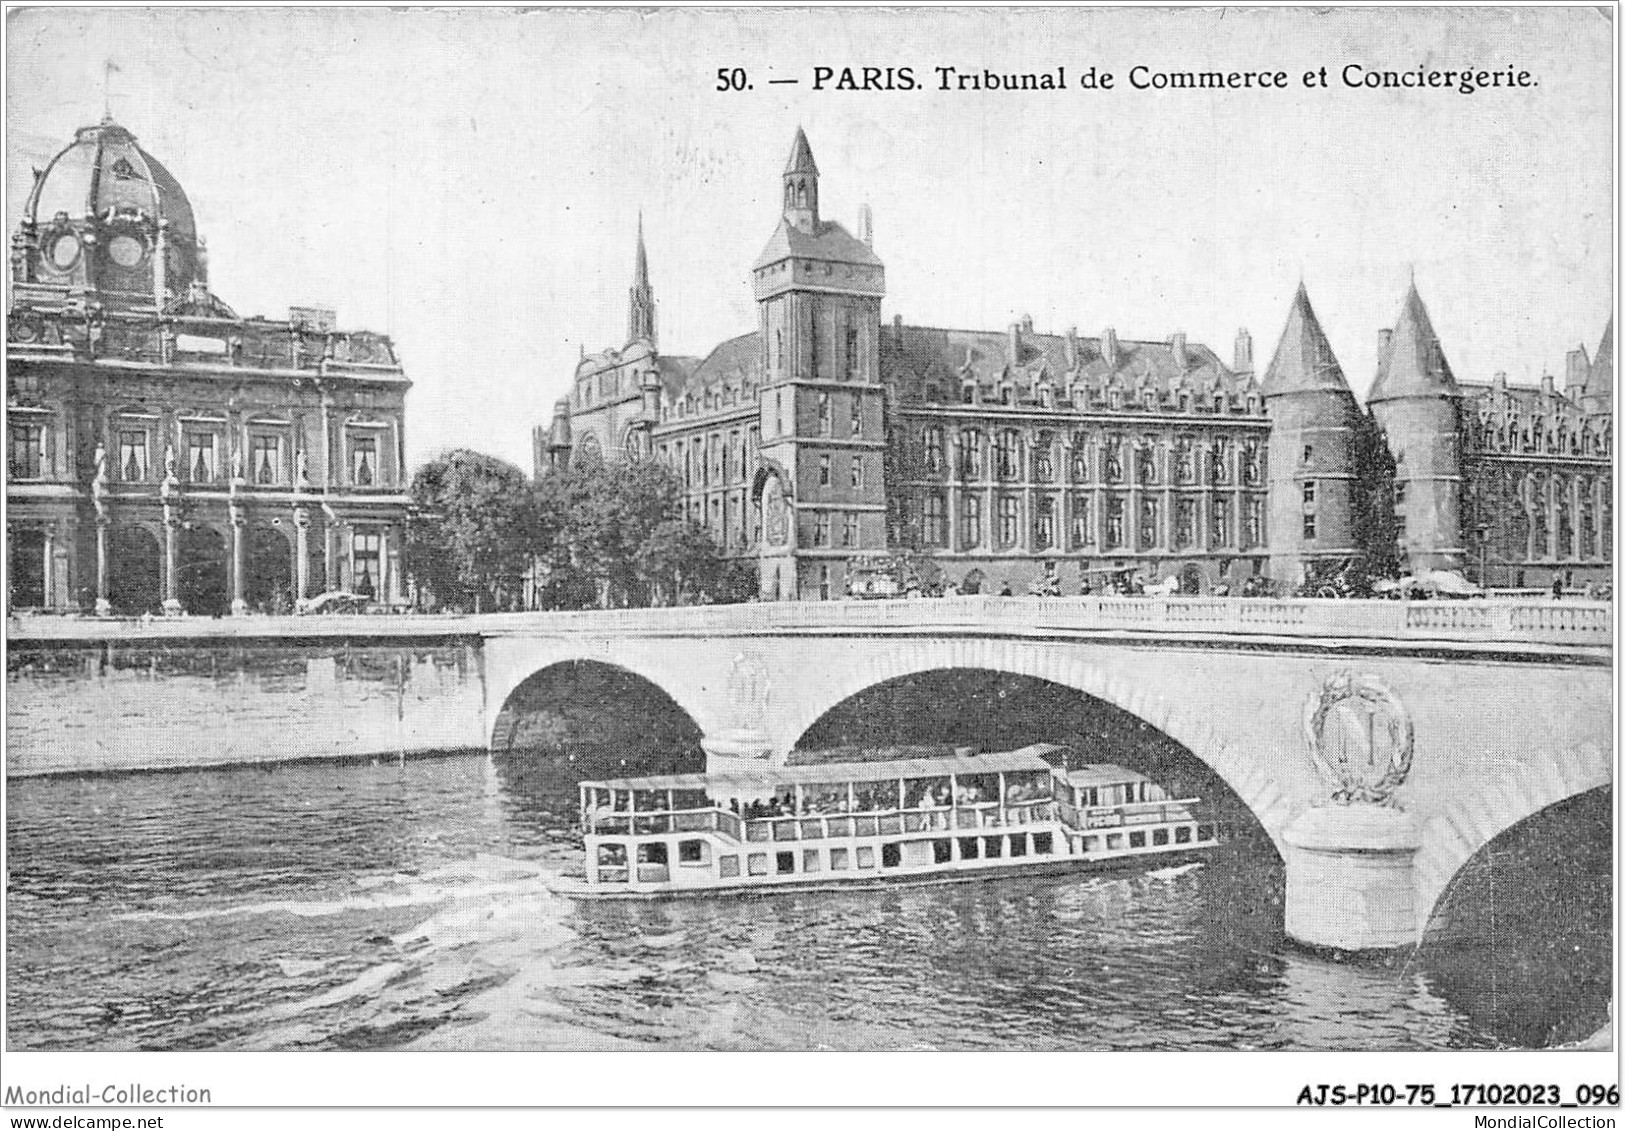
164,453
1032,460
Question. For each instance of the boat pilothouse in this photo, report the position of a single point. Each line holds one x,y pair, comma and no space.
829,825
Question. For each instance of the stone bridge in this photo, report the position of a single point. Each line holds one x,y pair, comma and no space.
1510,702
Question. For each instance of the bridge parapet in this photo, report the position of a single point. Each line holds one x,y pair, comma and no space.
1574,624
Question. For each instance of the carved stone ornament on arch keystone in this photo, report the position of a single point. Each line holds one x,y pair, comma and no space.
1361,739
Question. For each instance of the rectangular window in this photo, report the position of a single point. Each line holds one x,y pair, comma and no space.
970,521
1043,462
693,852
1145,460
1253,463
1185,459
27,451
1150,524
1308,526
866,857
1399,491
363,461
1399,529
1114,523
849,530
1009,520
931,440
1221,522
265,460
821,530
201,448
857,414
1044,527
857,471
1308,454
132,456
1255,523
366,561
1005,450
727,866
1136,839
1309,492
1185,523
823,471
810,861
840,859
826,422
1221,461
1083,531
786,862
936,532
970,454
851,353
758,863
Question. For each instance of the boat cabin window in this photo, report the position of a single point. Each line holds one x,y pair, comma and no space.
824,797
651,800
969,848
1159,836
1182,835
693,852
992,846
942,851
727,866
976,789
623,800
653,853
809,860
891,855
612,855
786,862
758,863
690,799
598,798
1027,785
1018,844
1136,839
926,793
839,860
866,857
1043,844
1114,840
874,796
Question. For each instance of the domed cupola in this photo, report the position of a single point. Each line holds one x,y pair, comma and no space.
105,216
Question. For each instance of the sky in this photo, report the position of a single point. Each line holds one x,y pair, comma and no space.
469,181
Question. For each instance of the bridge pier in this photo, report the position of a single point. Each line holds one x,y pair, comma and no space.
1350,880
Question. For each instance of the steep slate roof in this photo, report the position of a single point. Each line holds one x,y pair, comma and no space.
1600,381
675,372
830,243
927,354
1413,365
734,359
1304,362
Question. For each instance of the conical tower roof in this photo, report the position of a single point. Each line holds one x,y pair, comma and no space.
1414,363
1600,381
1304,362
801,157
640,273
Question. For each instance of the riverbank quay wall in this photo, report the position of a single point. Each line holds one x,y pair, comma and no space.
104,696
1510,703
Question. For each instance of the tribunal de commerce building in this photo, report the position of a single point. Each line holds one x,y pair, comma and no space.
165,454
829,435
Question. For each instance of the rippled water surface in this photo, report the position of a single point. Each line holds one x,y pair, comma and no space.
381,906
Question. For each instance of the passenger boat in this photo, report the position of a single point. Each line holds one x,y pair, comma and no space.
917,819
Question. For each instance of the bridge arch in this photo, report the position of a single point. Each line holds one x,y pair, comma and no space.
507,684
1065,666
1478,815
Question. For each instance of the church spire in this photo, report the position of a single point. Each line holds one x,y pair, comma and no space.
640,314
801,185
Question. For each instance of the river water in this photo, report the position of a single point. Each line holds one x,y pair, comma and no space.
392,905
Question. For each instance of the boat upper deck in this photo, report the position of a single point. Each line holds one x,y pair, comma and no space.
769,777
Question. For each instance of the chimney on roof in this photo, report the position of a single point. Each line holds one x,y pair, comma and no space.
1499,385
1015,343
1244,351
866,225
1071,347
1383,338
1108,346
1578,369
897,328
1181,358
1548,385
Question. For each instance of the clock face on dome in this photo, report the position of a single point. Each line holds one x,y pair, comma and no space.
126,251
64,251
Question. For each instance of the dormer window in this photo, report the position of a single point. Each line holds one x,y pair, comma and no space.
967,393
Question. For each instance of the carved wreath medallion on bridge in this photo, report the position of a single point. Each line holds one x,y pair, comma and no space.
1361,738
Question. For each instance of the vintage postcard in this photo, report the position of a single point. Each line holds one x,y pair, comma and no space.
865,531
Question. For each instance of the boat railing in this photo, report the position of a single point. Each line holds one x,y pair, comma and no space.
1136,813
991,815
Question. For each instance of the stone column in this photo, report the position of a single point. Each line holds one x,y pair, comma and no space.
239,539
1350,884
330,554
103,605
172,590
301,553
392,563
48,566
